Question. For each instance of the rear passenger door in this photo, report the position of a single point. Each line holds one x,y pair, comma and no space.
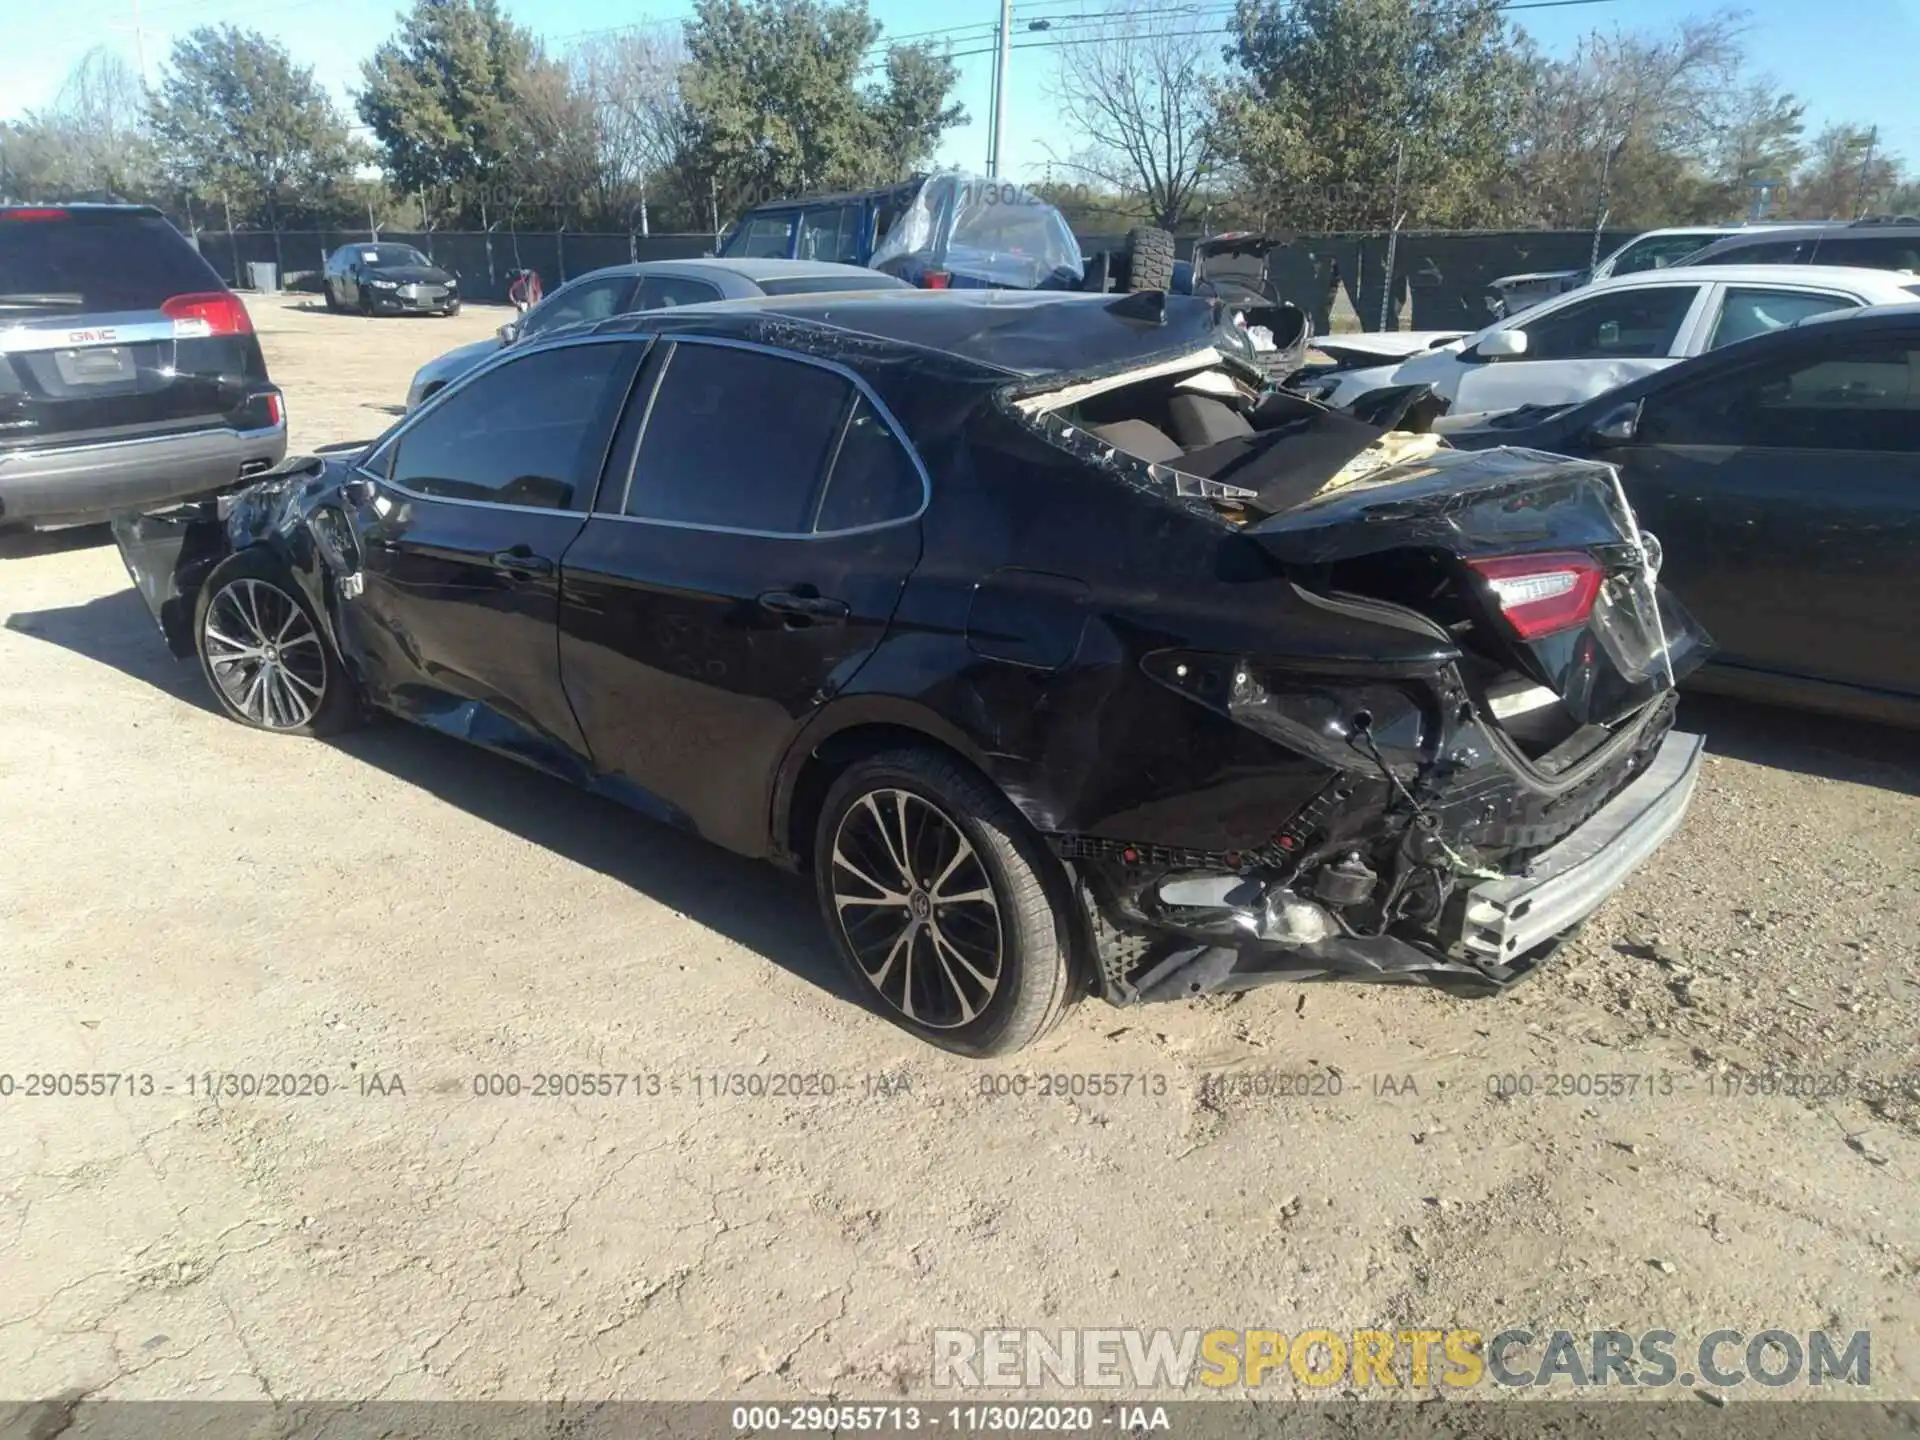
755,533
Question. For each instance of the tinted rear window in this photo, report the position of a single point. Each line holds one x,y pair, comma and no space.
1876,252
117,262
821,284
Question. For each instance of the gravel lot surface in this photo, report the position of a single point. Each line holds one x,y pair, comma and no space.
182,896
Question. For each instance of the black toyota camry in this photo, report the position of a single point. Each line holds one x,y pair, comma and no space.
1065,657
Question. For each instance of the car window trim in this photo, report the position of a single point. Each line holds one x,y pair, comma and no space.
854,377
508,355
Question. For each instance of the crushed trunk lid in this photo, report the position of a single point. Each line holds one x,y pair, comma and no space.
1490,524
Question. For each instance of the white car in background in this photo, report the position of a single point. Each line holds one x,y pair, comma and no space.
1590,340
1650,250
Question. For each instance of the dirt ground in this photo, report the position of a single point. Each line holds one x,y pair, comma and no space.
181,897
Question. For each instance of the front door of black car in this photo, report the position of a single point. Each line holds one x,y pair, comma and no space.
764,521
475,502
1787,494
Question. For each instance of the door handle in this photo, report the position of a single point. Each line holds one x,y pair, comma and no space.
798,610
521,561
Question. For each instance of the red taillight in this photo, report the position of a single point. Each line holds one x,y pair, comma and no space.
42,212
936,279
219,312
1542,594
276,408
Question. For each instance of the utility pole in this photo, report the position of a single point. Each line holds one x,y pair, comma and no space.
1866,173
1000,88
139,43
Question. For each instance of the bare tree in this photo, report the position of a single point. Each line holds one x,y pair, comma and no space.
634,79
1138,90
1631,123
92,139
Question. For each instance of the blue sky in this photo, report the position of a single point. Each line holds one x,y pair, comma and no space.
1848,59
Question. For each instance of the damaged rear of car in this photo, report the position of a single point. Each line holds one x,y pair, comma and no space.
1443,730
1083,662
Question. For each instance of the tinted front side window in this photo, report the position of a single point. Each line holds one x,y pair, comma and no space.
589,300
1770,252
873,480
1630,324
1658,253
766,237
1746,313
532,432
86,263
1875,252
1848,397
738,439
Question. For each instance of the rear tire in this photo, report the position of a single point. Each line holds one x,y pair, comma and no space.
326,290
264,653
1149,259
947,911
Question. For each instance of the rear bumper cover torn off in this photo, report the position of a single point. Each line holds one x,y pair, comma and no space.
1505,929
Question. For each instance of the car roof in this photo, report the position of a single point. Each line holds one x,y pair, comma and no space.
1014,332
835,197
704,266
1822,231
1863,279
80,207
1871,317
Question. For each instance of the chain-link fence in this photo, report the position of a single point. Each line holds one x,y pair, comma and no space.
1439,280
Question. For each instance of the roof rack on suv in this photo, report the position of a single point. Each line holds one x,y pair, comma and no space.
1887,220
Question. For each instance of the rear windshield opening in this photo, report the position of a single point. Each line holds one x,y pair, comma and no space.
97,263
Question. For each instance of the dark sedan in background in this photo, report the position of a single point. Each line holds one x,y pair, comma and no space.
1782,477
381,279
649,285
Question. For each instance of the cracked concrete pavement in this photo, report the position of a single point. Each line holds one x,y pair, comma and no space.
182,897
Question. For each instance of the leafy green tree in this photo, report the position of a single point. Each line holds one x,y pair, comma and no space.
775,105
1347,114
445,100
237,122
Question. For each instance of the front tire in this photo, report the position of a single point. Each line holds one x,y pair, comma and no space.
945,908
265,655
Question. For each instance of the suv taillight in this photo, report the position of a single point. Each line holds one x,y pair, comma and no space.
220,312
1542,594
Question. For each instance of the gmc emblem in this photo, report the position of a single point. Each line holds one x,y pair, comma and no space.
92,337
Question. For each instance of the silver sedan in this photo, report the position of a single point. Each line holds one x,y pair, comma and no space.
649,285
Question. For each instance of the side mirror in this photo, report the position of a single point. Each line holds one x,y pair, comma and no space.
1619,426
509,332
358,491
1502,344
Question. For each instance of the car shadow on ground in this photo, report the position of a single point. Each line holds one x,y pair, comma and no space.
1857,751
118,630
769,911
24,544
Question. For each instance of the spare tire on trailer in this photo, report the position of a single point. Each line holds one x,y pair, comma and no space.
1149,259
